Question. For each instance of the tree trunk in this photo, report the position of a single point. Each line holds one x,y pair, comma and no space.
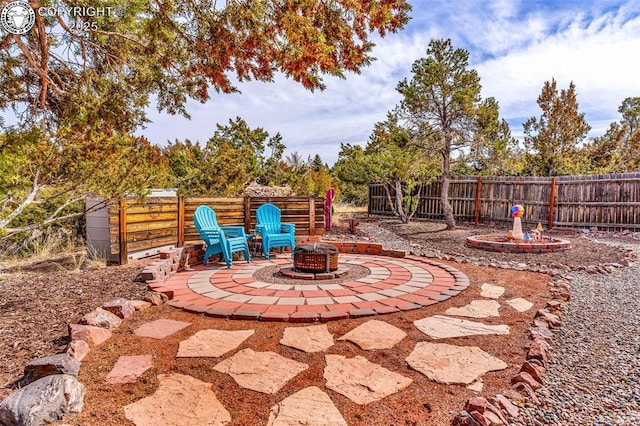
444,192
396,206
399,202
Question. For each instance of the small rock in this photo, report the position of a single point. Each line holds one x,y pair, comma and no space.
539,350
526,391
465,419
78,349
121,307
101,318
525,377
156,298
49,366
494,418
551,319
90,334
140,305
476,403
542,333
535,370
504,403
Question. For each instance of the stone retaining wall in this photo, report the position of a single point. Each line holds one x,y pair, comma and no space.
477,242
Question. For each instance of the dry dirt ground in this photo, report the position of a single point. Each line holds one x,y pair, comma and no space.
36,307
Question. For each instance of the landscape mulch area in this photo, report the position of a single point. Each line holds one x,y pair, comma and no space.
36,307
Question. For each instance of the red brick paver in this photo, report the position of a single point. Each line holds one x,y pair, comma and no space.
394,284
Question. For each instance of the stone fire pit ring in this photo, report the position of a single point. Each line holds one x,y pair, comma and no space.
499,243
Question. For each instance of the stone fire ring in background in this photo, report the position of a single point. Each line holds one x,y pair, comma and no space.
499,243
392,285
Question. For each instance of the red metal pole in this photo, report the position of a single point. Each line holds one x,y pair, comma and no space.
552,199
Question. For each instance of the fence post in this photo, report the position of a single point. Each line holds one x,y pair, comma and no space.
312,215
247,214
552,199
478,189
122,231
181,230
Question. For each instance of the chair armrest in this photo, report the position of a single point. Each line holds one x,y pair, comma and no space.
233,231
260,229
288,228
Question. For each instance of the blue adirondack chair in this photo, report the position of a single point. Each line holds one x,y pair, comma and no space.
273,232
223,240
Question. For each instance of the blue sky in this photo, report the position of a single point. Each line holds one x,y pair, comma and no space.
514,45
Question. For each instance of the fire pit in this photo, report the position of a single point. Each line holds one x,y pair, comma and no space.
315,258
315,261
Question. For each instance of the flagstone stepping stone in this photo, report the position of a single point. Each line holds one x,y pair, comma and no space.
159,329
491,291
476,309
180,400
520,304
360,380
315,338
212,343
310,406
451,364
441,327
375,334
265,372
129,368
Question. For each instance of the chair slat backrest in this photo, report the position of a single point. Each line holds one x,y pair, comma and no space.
269,216
205,218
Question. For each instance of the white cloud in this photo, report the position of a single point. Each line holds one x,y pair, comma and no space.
515,45
595,55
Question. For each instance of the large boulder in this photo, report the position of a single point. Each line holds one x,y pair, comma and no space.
43,401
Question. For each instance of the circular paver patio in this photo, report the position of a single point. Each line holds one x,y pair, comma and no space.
392,285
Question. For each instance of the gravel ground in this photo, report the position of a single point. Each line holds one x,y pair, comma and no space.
595,376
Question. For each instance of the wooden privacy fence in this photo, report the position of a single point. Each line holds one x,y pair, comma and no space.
136,226
609,201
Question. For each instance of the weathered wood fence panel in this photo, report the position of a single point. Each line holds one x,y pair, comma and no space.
607,201
136,226
601,200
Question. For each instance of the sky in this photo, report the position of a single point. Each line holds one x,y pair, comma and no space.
515,46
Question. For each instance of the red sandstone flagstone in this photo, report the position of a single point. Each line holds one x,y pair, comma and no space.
161,328
128,368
